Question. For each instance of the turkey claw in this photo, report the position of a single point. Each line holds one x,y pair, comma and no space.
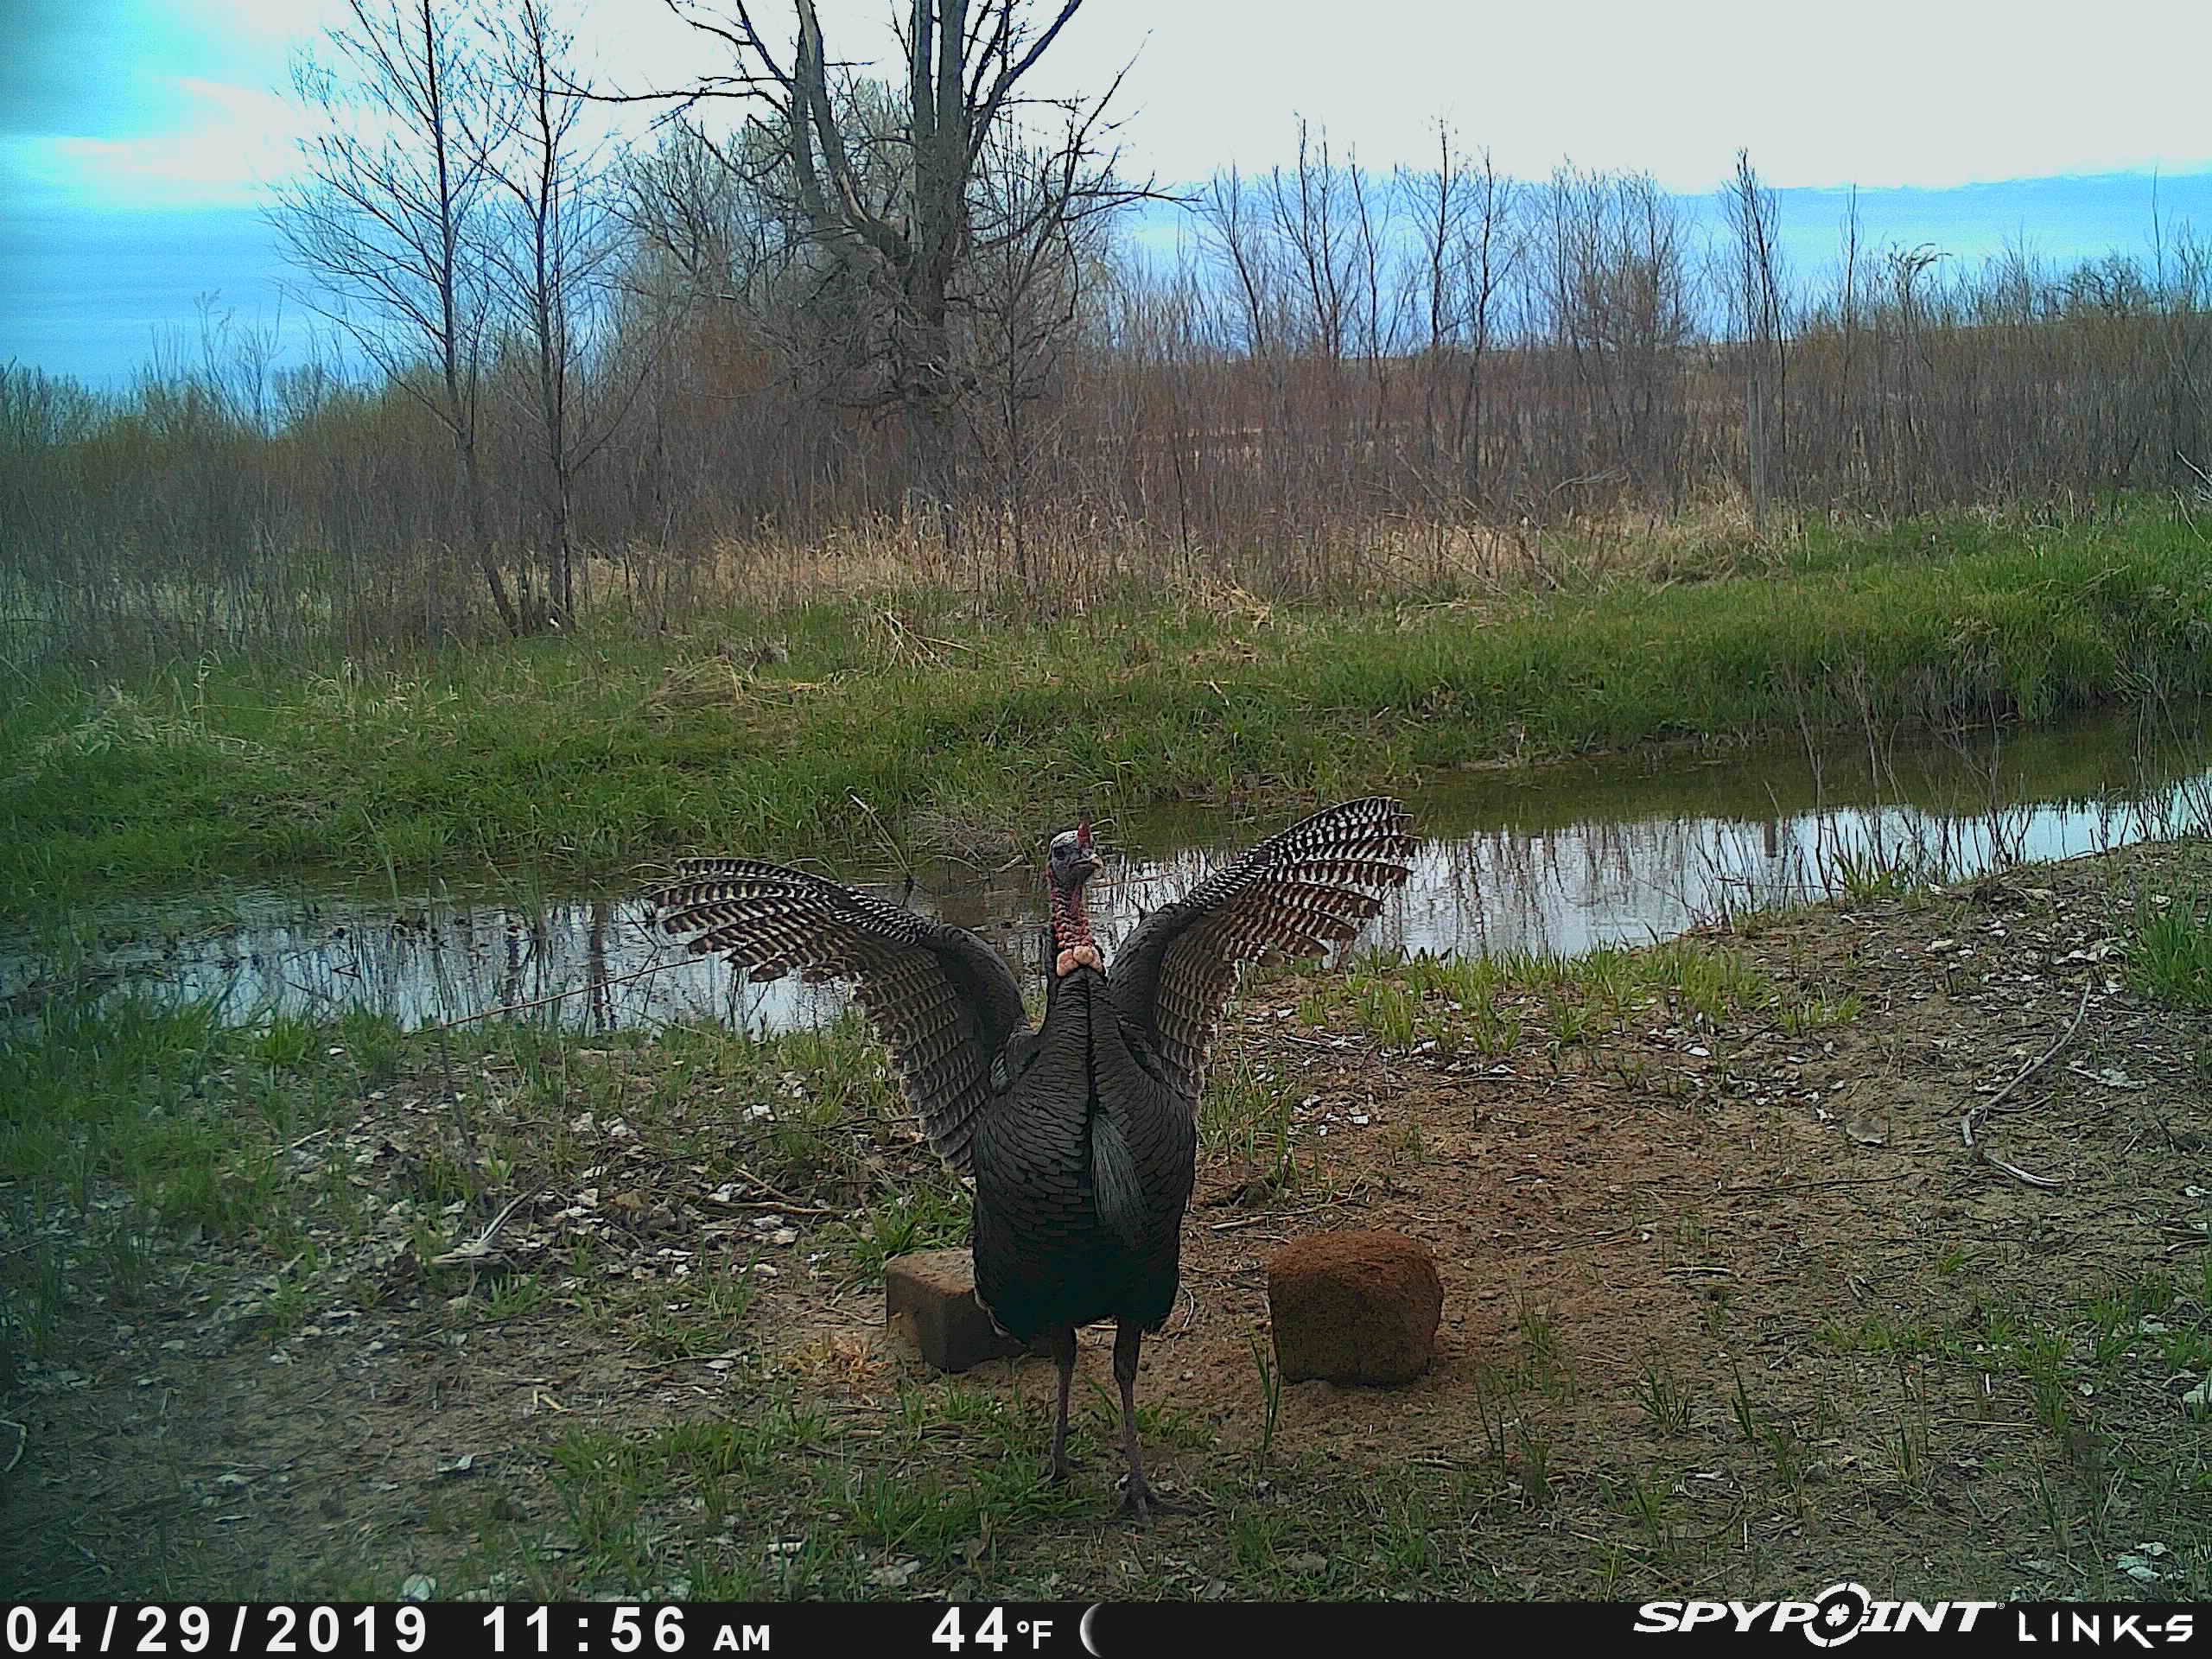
1140,1503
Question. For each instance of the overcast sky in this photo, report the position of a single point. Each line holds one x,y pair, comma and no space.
132,127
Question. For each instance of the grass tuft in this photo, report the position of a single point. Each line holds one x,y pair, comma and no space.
2170,955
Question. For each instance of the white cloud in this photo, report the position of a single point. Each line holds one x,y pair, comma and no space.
1885,91
234,140
1896,92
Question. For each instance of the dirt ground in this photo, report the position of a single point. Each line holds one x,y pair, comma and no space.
1736,1307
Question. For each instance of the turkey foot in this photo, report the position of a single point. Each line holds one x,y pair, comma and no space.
1139,1503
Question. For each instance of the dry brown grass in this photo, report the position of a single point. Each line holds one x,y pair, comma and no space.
1068,563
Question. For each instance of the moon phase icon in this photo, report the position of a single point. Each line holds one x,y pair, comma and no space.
1083,1630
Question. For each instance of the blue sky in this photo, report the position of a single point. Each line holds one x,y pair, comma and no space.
138,136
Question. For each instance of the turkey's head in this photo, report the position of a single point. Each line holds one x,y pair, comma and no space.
1072,861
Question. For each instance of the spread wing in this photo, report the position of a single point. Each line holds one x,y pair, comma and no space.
941,1000
1313,885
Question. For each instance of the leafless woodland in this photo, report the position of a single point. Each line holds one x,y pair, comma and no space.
812,328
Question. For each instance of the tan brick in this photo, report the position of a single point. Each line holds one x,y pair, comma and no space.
930,1307
1354,1308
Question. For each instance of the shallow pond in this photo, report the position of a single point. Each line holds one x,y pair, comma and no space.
1562,858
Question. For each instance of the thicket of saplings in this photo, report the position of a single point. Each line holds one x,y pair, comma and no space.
1349,382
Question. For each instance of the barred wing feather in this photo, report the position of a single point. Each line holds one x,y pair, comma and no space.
941,1000
1312,886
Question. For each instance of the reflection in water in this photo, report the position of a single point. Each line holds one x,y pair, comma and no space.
1568,859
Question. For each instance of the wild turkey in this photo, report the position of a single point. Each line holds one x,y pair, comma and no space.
1081,1134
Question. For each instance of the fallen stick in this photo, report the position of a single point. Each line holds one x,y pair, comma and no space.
1967,1122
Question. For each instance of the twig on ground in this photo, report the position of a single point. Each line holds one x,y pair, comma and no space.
1806,1186
2017,1173
777,1206
784,1200
682,1359
479,1249
1983,1110
1280,1215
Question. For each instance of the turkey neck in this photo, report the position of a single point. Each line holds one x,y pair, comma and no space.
1072,945
1070,918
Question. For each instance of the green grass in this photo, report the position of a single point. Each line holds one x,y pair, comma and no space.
587,753
1487,1005
2171,954
149,1101
943,1488
128,1126
934,1217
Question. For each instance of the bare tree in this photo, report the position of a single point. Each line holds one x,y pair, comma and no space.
1379,313
1754,297
553,273
1619,302
1231,231
386,218
890,217
1908,302
695,218
1469,252
1309,211
1032,263
1850,424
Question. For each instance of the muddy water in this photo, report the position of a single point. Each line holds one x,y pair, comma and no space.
1561,859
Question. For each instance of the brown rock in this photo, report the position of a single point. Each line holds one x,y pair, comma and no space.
1354,1308
930,1306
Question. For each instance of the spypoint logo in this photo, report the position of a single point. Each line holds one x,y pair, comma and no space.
1840,1611
1829,1620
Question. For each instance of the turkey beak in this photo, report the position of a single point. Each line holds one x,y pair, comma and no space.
1085,864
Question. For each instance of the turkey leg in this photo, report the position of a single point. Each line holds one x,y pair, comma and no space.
1140,1500
1063,1355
